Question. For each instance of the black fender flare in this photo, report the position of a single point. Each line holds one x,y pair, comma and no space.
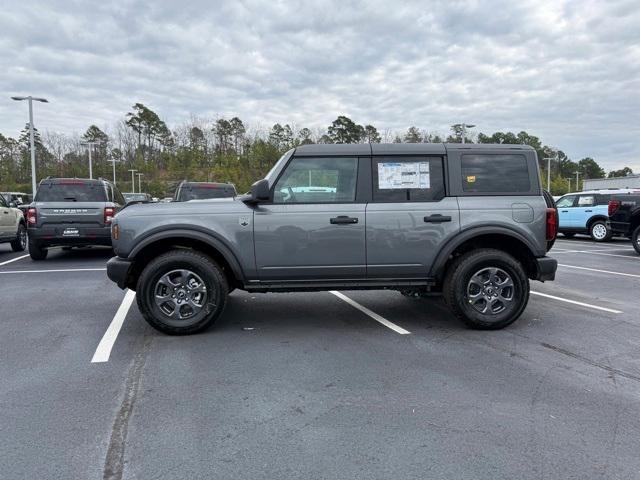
437,268
192,233
595,218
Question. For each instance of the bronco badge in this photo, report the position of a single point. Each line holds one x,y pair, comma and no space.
244,220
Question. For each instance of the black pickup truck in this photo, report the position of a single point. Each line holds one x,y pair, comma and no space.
624,217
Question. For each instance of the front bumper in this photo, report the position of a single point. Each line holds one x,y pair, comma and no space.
118,271
546,268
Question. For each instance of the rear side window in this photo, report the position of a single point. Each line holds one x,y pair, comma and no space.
499,173
71,192
407,179
586,201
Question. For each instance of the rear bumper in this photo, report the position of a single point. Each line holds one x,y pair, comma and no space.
52,236
546,268
118,271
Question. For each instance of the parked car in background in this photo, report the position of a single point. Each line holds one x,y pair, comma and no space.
12,226
71,212
470,222
587,212
203,190
624,217
137,197
18,200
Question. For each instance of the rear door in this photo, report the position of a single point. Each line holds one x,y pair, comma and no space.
314,227
409,218
585,209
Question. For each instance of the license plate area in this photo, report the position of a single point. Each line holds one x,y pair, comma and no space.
71,232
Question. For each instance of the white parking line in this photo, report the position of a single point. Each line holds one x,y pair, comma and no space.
373,315
600,271
582,245
109,338
14,260
588,305
56,270
593,252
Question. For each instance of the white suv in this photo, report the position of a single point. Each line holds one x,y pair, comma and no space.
12,226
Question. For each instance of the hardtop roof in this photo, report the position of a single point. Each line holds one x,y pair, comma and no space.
398,148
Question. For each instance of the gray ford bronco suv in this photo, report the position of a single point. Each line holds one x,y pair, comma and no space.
470,222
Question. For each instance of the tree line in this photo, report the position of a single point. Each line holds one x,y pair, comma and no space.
228,150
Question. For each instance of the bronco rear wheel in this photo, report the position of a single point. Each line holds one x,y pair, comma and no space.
487,289
635,239
182,292
600,232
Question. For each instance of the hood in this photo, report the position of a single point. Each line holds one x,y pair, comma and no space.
190,208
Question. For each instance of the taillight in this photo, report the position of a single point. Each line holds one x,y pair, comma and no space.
32,216
614,205
109,212
552,224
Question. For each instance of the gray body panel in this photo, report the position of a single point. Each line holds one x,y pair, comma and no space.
299,242
399,242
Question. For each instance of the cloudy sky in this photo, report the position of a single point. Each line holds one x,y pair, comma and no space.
568,72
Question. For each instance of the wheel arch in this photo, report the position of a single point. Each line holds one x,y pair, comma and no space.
504,239
594,219
160,242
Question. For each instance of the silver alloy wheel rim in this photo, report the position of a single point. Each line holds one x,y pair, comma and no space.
599,231
23,238
180,294
490,291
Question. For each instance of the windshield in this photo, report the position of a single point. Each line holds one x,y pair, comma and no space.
277,166
71,192
203,192
135,197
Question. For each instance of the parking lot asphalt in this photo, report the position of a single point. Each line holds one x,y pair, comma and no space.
308,385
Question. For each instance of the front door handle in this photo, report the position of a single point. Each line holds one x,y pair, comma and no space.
343,220
437,218
588,211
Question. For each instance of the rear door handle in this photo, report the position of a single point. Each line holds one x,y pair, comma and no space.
343,220
437,218
564,211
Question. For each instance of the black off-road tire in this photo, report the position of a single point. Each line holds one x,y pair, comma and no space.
20,243
180,259
37,251
635,239
600,226
459,275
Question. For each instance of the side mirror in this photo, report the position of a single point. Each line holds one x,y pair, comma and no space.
12,205
260,191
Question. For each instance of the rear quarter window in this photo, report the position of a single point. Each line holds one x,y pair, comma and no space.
71,192
495,173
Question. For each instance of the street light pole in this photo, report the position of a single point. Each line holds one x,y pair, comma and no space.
548,159
113,162
90,145
32,137
569,180
140,182
133,181
463,127
577,180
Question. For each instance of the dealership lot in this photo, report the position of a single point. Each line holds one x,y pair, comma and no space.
353,384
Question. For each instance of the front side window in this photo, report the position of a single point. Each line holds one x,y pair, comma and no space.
500,173
318,180
566,202
2,202
407,179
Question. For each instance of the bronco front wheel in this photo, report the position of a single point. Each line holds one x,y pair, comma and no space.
487,289
181,292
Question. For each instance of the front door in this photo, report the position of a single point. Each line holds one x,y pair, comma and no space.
313,229
567,213
7,219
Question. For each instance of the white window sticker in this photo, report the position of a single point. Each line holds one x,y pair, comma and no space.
403,175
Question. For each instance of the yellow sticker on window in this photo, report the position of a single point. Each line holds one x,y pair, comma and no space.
471,178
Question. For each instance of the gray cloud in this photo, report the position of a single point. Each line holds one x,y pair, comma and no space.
567,72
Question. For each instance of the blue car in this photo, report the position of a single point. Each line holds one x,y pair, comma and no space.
586,212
